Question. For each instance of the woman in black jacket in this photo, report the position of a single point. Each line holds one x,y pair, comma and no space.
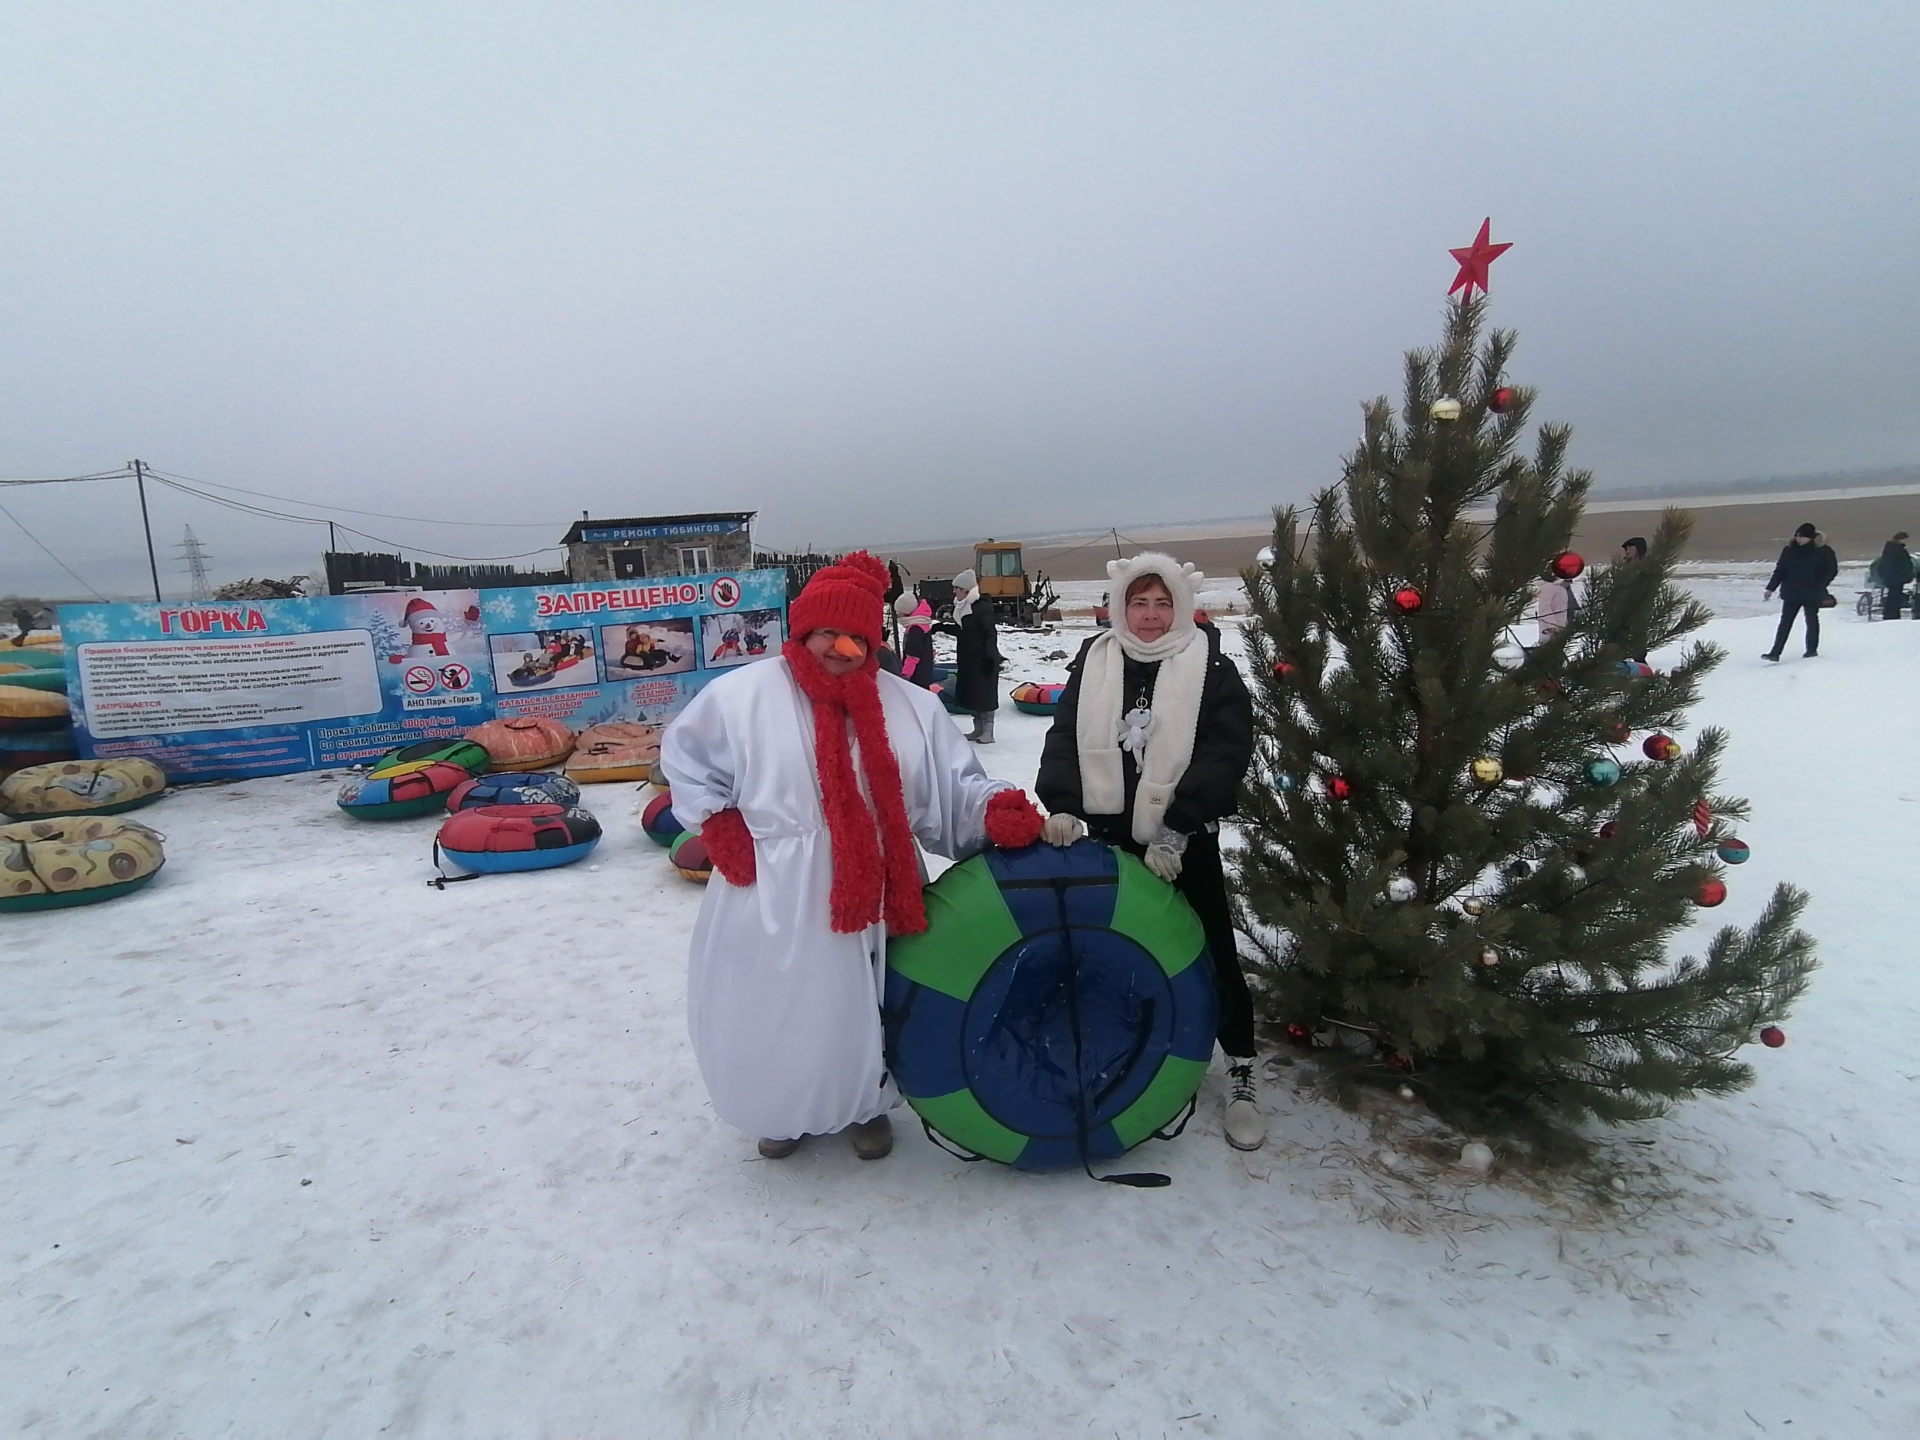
977,663
1801,575
1152,738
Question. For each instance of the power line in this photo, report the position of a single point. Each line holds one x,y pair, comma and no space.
50,555
265,513
348,510
123,473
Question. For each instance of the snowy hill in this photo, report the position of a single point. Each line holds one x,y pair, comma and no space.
295,1145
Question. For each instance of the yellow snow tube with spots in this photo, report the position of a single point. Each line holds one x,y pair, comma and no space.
76,860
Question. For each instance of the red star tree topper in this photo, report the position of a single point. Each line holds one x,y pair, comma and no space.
1474,260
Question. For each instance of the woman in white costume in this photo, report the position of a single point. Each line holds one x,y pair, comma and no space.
810,777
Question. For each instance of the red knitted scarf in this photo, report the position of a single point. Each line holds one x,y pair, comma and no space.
876,869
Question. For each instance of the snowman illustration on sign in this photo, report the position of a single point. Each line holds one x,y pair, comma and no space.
427,629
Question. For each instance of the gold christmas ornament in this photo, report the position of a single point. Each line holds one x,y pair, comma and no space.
1445,410
1487,771
1474,905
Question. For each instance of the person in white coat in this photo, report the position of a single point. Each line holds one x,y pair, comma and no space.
810,777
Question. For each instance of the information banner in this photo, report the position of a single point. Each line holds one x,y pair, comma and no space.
228,689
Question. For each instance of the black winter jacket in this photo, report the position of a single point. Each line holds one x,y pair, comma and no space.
1803,573
1896,566
1222,750
976,681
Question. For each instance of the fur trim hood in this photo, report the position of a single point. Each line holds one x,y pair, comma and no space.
1183,584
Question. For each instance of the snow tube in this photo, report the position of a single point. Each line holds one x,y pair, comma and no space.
501,839
953,706
618,750
412,780
659,821
1058,1009
24,709
1031,699
82,787
525,742
515,788
75,860
19,750
688,855
25,675
34,657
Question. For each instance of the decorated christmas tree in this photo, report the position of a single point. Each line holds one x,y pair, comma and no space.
1470,843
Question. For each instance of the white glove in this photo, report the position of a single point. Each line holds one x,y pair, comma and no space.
1164,853
1063,830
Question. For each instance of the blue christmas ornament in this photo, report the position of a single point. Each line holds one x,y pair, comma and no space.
1286,784
1734,851
1603,771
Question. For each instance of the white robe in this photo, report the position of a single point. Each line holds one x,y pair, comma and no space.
784,1013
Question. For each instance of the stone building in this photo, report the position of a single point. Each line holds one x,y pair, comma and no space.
651,547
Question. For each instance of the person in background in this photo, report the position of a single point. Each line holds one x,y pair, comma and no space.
809,777
916,641
1895,573
1632,551
978,662
1553,604
1801,575
1147,750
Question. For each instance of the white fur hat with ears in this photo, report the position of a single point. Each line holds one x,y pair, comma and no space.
1182,581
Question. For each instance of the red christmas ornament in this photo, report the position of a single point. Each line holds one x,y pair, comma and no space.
1711,893
1610,829
1474,260
1568,565
1619,732
1284,669
1407,600
1339,788
1702,818
1502,400
1772,1036
1399,1061
1299,1034
1661,747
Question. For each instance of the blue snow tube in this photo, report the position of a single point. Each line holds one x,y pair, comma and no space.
1059,1008
535,787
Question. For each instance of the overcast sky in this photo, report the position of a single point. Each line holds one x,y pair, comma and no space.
889,271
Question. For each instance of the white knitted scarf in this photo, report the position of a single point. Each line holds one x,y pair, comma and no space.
1099,722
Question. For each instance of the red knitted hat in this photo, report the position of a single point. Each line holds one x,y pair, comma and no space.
848,597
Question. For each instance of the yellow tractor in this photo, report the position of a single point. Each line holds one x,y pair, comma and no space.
1003,579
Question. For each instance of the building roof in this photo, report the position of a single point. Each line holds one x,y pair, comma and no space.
573,536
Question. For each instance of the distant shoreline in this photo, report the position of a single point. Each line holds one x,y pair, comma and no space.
1747,527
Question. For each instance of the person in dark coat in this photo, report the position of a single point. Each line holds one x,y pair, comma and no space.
1801,575
916,641
978,662
1895,569
1151,740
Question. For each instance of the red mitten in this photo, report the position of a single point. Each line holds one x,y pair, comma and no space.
1012,820
730,846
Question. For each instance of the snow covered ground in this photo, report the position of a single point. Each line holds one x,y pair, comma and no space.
292,1144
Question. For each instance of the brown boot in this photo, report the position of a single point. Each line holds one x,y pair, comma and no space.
779,1149
872,1139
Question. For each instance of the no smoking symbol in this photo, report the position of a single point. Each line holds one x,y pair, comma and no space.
419,679
455,677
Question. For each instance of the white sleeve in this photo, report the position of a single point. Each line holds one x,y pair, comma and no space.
697,754
950,818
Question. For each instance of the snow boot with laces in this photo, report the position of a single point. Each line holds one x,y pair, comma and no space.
1245,1127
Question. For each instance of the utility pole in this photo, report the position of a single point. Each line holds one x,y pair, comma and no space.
153,565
